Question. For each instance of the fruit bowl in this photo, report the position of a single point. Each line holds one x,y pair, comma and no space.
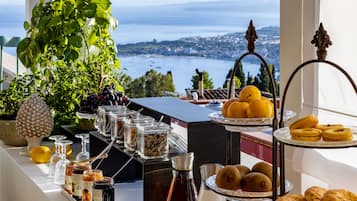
211,183
246,124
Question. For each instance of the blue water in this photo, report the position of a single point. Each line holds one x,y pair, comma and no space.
171,22
182,68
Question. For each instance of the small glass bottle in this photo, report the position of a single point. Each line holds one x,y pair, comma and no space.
182,186
104,190
77,179
68,178
89,177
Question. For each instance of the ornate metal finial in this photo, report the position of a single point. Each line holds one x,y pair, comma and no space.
251,36
321,41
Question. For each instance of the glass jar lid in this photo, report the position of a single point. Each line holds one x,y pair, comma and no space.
155,128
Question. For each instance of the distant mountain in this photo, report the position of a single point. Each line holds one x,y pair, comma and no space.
226,47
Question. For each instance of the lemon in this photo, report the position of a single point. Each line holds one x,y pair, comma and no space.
40,154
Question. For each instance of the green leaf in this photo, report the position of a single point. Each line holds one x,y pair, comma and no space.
90,10
68,9
23,54
54,21
105,4
26,25
76,41
44,21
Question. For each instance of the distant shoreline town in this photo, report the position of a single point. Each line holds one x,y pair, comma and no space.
224,47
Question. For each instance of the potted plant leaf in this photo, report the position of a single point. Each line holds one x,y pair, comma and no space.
69,44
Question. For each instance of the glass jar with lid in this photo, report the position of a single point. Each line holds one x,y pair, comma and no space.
89,177
153,140
103,190
77,179
117,123
131,130
103,118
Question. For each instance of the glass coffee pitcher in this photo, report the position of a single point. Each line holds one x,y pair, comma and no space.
182,187
205,193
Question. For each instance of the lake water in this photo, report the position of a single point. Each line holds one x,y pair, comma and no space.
182,68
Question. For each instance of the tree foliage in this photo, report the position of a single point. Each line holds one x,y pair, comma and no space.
152,84
237,83
207,81
239,74
169,86
262,80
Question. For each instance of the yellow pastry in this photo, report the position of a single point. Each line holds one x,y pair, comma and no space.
337,134
309,121
306,134
315,193
339,195
291,197
323,127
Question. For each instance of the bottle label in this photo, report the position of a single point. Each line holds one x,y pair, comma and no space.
77,184
87,190
68,184
97,195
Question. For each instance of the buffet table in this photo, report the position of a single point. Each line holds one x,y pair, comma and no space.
21,179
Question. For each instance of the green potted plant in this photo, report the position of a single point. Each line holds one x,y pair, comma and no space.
11,99
69,45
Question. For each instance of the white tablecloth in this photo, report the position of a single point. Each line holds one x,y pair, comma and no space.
22,180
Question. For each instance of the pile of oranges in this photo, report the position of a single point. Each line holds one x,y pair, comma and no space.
250,104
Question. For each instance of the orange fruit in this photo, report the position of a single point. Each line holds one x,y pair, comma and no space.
40,154
249,93
238,109
225,106
260,108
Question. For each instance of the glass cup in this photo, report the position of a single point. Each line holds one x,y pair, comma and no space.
84,154
56,156
60,170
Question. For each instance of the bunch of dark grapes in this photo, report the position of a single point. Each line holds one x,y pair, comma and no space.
108,96
89,105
